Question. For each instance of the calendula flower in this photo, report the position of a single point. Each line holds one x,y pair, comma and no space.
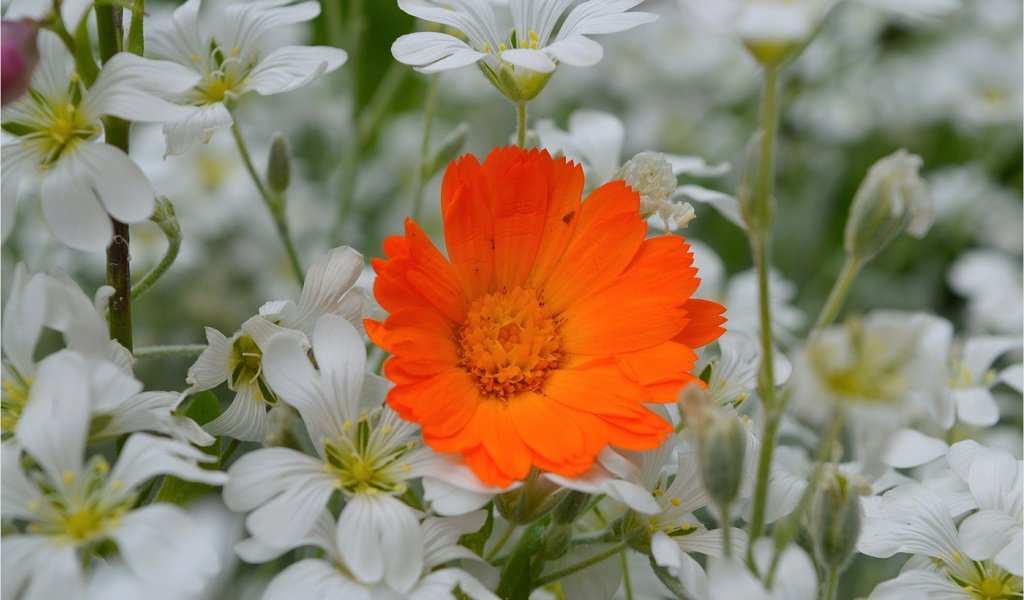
538,341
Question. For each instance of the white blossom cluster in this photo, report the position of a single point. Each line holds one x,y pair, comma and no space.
863,406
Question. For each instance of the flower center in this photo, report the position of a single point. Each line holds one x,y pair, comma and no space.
509,342
246,362
15,396
368,459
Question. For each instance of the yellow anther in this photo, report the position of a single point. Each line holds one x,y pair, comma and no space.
234,51
69,477
194,57
676,502
486,49
406,468
386,429
117,485
502,47
346,426
658,492
957,557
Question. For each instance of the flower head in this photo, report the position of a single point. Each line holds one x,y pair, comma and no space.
520,61
550,324
231,61
57,125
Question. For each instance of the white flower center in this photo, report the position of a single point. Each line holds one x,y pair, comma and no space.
984,580
51,126
368,459
85,510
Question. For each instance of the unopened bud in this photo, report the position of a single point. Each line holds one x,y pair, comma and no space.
650,175
775,32
722,441
836,519
892,198
278,165
163,215
18,58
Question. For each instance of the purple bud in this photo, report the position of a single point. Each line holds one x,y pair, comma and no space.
18,58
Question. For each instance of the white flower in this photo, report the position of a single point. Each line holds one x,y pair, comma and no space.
238,359
54,301
913,519
365,450
992,283
650,175
873,371
994,480
518,60
230,60
965,377
57,128
452,488
72,506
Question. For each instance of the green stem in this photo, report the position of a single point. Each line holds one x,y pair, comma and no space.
332,21
429,108
274,205
173,247
583,564
788,528
726,526
521,124
178,350
136,37
626,583
373,115
505,537
119,276
831,584
760,241
840,289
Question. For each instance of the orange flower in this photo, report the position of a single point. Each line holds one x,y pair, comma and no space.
538,341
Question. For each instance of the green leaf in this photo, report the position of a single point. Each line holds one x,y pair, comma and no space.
202,409
517,576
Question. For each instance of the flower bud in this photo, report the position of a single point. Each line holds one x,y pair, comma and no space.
164,216
722,440
18,58
651,176
278,165
836,519
556,540
892,198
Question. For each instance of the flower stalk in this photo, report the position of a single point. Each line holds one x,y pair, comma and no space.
840,289
164,217
521,124
760,227
274,203
429,108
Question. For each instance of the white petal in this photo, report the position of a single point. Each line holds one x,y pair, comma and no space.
73,211
292,67
962,455
729,579
911,448
981,352
441,537
911,519
289,373
534,60
986,532
710,542
995,481
213,367
315,580
695,166
128,87
603,16
379,539
18,494
917,584
434,51
200,124
161,546
976,406
154,411
23,319
144,456
1011,557
327,280
40,570
1013,376
341,356
666,553
453,489
55,422
181,39
245,419
440,583
291,515
725,204
128,197
576,51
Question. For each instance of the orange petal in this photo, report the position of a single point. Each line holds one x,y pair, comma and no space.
486,467
704,324
443,404
501,440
